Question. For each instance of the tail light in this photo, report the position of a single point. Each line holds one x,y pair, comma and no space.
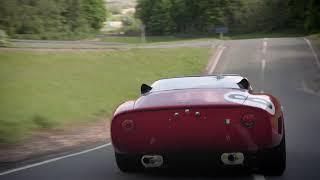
127,125
248,120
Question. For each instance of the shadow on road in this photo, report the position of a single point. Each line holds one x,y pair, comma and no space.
189,174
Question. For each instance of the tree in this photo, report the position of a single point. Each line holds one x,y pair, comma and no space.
51,18
241,16
96,13
160,21
155,14
312,20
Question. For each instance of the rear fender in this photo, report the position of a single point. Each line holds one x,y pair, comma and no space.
272,107
124,107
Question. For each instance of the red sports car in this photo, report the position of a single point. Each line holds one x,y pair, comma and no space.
209,121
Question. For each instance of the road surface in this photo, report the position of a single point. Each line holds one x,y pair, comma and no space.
277,66
99,45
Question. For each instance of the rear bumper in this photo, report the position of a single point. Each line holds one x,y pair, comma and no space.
204,160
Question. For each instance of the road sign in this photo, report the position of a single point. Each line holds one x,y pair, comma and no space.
222,30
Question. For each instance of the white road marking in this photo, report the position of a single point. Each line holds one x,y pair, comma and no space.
313,52
258,177
53,160
263,62
264,48
263,70
216,59
263,65
307,90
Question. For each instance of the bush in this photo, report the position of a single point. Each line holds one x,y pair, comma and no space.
3,39
43,122
128,20
131,30
132,26
115,10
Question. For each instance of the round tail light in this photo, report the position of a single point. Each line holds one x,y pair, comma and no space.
127,125
248,120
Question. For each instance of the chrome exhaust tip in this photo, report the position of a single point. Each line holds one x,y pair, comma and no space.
152,161
236,158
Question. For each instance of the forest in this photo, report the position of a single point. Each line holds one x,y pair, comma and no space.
163,17
68,19
51,19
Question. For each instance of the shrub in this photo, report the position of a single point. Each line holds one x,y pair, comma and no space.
43,122
3,39
132,26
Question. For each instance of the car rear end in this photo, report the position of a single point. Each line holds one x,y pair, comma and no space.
224,134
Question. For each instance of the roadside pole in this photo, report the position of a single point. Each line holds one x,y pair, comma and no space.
143,33
221,36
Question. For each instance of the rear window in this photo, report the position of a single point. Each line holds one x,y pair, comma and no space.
205,82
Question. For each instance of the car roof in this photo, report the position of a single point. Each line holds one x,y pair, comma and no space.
202,81
211,75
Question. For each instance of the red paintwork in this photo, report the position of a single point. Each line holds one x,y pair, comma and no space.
156,129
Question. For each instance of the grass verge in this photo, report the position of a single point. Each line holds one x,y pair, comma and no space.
55,89
315,38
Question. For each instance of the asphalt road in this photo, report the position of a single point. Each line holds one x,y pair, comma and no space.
98,45
277,66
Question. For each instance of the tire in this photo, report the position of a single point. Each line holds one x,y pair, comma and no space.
274,161
127,163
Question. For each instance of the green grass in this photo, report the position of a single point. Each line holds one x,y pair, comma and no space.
54,89
151,39
315,38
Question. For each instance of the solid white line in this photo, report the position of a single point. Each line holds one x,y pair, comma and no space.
265,43
263,70
53,160
264,48
216,59
313,52
258,177
263,65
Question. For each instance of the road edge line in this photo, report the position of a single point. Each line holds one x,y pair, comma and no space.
315,55
215,59
263,72
53,160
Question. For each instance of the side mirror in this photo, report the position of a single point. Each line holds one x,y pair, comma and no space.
145,89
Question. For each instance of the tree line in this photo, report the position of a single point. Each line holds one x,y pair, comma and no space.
51,19
241,16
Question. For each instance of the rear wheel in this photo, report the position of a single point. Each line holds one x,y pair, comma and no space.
127,163
274,161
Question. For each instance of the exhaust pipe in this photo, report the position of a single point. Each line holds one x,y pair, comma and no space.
152,161
232,158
